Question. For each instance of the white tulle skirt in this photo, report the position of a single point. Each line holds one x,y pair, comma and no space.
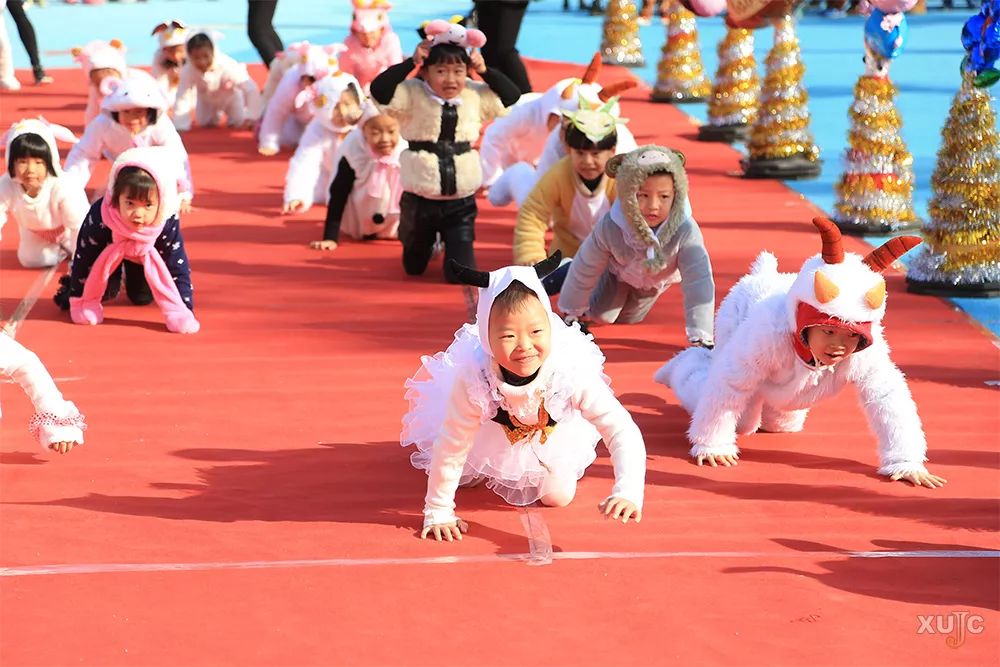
514,472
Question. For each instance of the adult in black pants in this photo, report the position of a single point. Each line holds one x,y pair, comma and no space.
500,21
260,29
27,34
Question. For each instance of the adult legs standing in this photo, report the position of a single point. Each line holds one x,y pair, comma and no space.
27,34
260,29
500,21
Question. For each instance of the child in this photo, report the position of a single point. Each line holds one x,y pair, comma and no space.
574,194
48,206
136,222
102,62
440,115
135,114
520,135
337,100
646,243
372,46
364,195
285,117
56,424
519,400
787,341
170,58
213,84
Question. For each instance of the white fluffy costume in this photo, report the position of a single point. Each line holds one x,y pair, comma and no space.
99,54
623,267
311,169
50,221
106,137
286,113
225,88
168,34
55,419
520,135
467,422
761,374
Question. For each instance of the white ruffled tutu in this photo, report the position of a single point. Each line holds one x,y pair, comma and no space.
515,472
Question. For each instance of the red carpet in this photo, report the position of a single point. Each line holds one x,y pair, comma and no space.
272,436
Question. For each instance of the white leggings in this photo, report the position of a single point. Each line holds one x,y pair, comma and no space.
35,252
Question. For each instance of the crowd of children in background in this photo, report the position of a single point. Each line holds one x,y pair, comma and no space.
393,155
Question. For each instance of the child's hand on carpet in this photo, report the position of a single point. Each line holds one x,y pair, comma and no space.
325,244
62,447
294,206
619,508
920,478
715,461
446,531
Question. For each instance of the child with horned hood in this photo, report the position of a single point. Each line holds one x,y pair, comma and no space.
787,341
518,400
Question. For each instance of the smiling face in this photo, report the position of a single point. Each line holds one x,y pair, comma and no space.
521,336
176,54
382,134
202,57
655,198
134,120
30,172
589,163
446,79
831,345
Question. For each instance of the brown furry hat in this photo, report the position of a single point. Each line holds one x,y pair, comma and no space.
630,170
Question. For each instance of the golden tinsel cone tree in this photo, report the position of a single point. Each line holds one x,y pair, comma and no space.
620,44
875,192
680,74
780,144
732,104
961,251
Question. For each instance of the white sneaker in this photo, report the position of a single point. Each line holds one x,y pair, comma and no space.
10,84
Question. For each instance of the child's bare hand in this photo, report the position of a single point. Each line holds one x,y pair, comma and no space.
185,206
619,508
267,151
715,461
446,531
323,245
421,52
920,479
294,206
477,61
62,447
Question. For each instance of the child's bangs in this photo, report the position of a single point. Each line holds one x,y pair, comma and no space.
447,54
29,145
514,298
135,183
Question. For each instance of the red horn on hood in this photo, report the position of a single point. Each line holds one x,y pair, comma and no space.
833,247
616,88
882,257
593,69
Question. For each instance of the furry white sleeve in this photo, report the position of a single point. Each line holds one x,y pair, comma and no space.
451,448
279,107
87,152
187,98
621,436
25,368
734,378
306,164
891,411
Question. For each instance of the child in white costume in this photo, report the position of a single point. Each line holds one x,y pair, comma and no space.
134,115
786,341
518,399
286,114
647,242
56,424
364,195
170,57
48,206
102,62
213,84
337,100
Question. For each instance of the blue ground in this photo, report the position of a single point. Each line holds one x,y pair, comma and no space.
926,73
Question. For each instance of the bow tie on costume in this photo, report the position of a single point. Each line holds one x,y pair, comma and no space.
516,430
385,177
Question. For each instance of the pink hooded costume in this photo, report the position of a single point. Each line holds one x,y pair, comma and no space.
366,63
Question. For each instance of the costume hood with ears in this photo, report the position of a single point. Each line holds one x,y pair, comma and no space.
139,91
843,290
50,132
370,16
570,90
596,122
492,283
162,165
99,54
630,170
326,92
314,60
171,33
214,36
440,31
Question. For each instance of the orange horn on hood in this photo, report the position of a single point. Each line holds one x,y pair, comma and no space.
882,257
616,89
833,247
593,69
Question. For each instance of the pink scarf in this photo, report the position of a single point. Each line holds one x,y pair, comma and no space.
385,176
135,244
